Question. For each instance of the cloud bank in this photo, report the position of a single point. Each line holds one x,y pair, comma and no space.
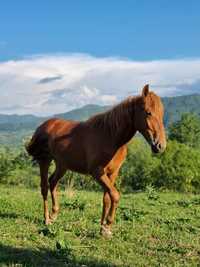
49,84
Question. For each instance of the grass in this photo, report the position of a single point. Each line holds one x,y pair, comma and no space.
151,229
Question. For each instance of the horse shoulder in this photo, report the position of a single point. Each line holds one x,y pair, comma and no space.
117,160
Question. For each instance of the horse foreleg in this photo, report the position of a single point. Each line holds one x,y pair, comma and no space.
111,213
109,210
44,166
106,207
114,199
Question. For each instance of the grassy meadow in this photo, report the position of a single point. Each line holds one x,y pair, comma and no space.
151,229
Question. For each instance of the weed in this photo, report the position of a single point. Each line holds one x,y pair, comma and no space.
75,204
151,193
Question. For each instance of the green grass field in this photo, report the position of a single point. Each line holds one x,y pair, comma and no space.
151,229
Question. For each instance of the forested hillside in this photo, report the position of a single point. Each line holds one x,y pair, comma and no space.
176,106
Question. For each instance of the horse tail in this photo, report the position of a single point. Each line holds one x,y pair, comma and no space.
38,147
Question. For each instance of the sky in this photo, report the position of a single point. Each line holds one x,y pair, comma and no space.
59,55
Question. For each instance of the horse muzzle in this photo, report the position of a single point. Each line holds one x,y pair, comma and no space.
158,148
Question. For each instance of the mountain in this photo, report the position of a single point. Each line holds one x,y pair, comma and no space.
17,122
175,106
14,127
28,122
82,113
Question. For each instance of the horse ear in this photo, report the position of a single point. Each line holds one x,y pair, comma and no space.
145,90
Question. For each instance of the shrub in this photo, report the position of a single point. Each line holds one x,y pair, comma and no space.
137,171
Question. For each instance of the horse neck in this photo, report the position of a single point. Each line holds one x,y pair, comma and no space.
127,128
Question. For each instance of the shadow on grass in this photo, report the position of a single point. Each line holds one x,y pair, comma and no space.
10,256
8,215
12,215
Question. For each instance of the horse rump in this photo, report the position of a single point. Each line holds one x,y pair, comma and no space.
38,147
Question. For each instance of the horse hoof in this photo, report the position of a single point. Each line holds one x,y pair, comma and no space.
47,222
105,232
52,217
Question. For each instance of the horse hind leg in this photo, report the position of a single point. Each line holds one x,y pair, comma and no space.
53,181
44,167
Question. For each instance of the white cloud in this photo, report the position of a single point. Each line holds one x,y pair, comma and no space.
49,84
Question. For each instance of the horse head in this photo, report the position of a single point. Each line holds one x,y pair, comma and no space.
149,120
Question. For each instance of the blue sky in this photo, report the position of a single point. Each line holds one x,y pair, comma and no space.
139,30
59,55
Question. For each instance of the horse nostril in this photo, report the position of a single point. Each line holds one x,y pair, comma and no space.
159,146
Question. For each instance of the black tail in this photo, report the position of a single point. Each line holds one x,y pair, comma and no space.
38,147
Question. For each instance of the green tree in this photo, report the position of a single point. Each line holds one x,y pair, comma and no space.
186,130
179,168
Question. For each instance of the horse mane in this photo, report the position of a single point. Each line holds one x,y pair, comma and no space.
116,118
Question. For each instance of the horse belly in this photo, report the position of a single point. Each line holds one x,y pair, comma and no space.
71,155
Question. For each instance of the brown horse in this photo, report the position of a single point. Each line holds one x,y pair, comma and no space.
97,146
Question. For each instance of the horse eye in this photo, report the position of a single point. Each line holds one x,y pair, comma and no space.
148,113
